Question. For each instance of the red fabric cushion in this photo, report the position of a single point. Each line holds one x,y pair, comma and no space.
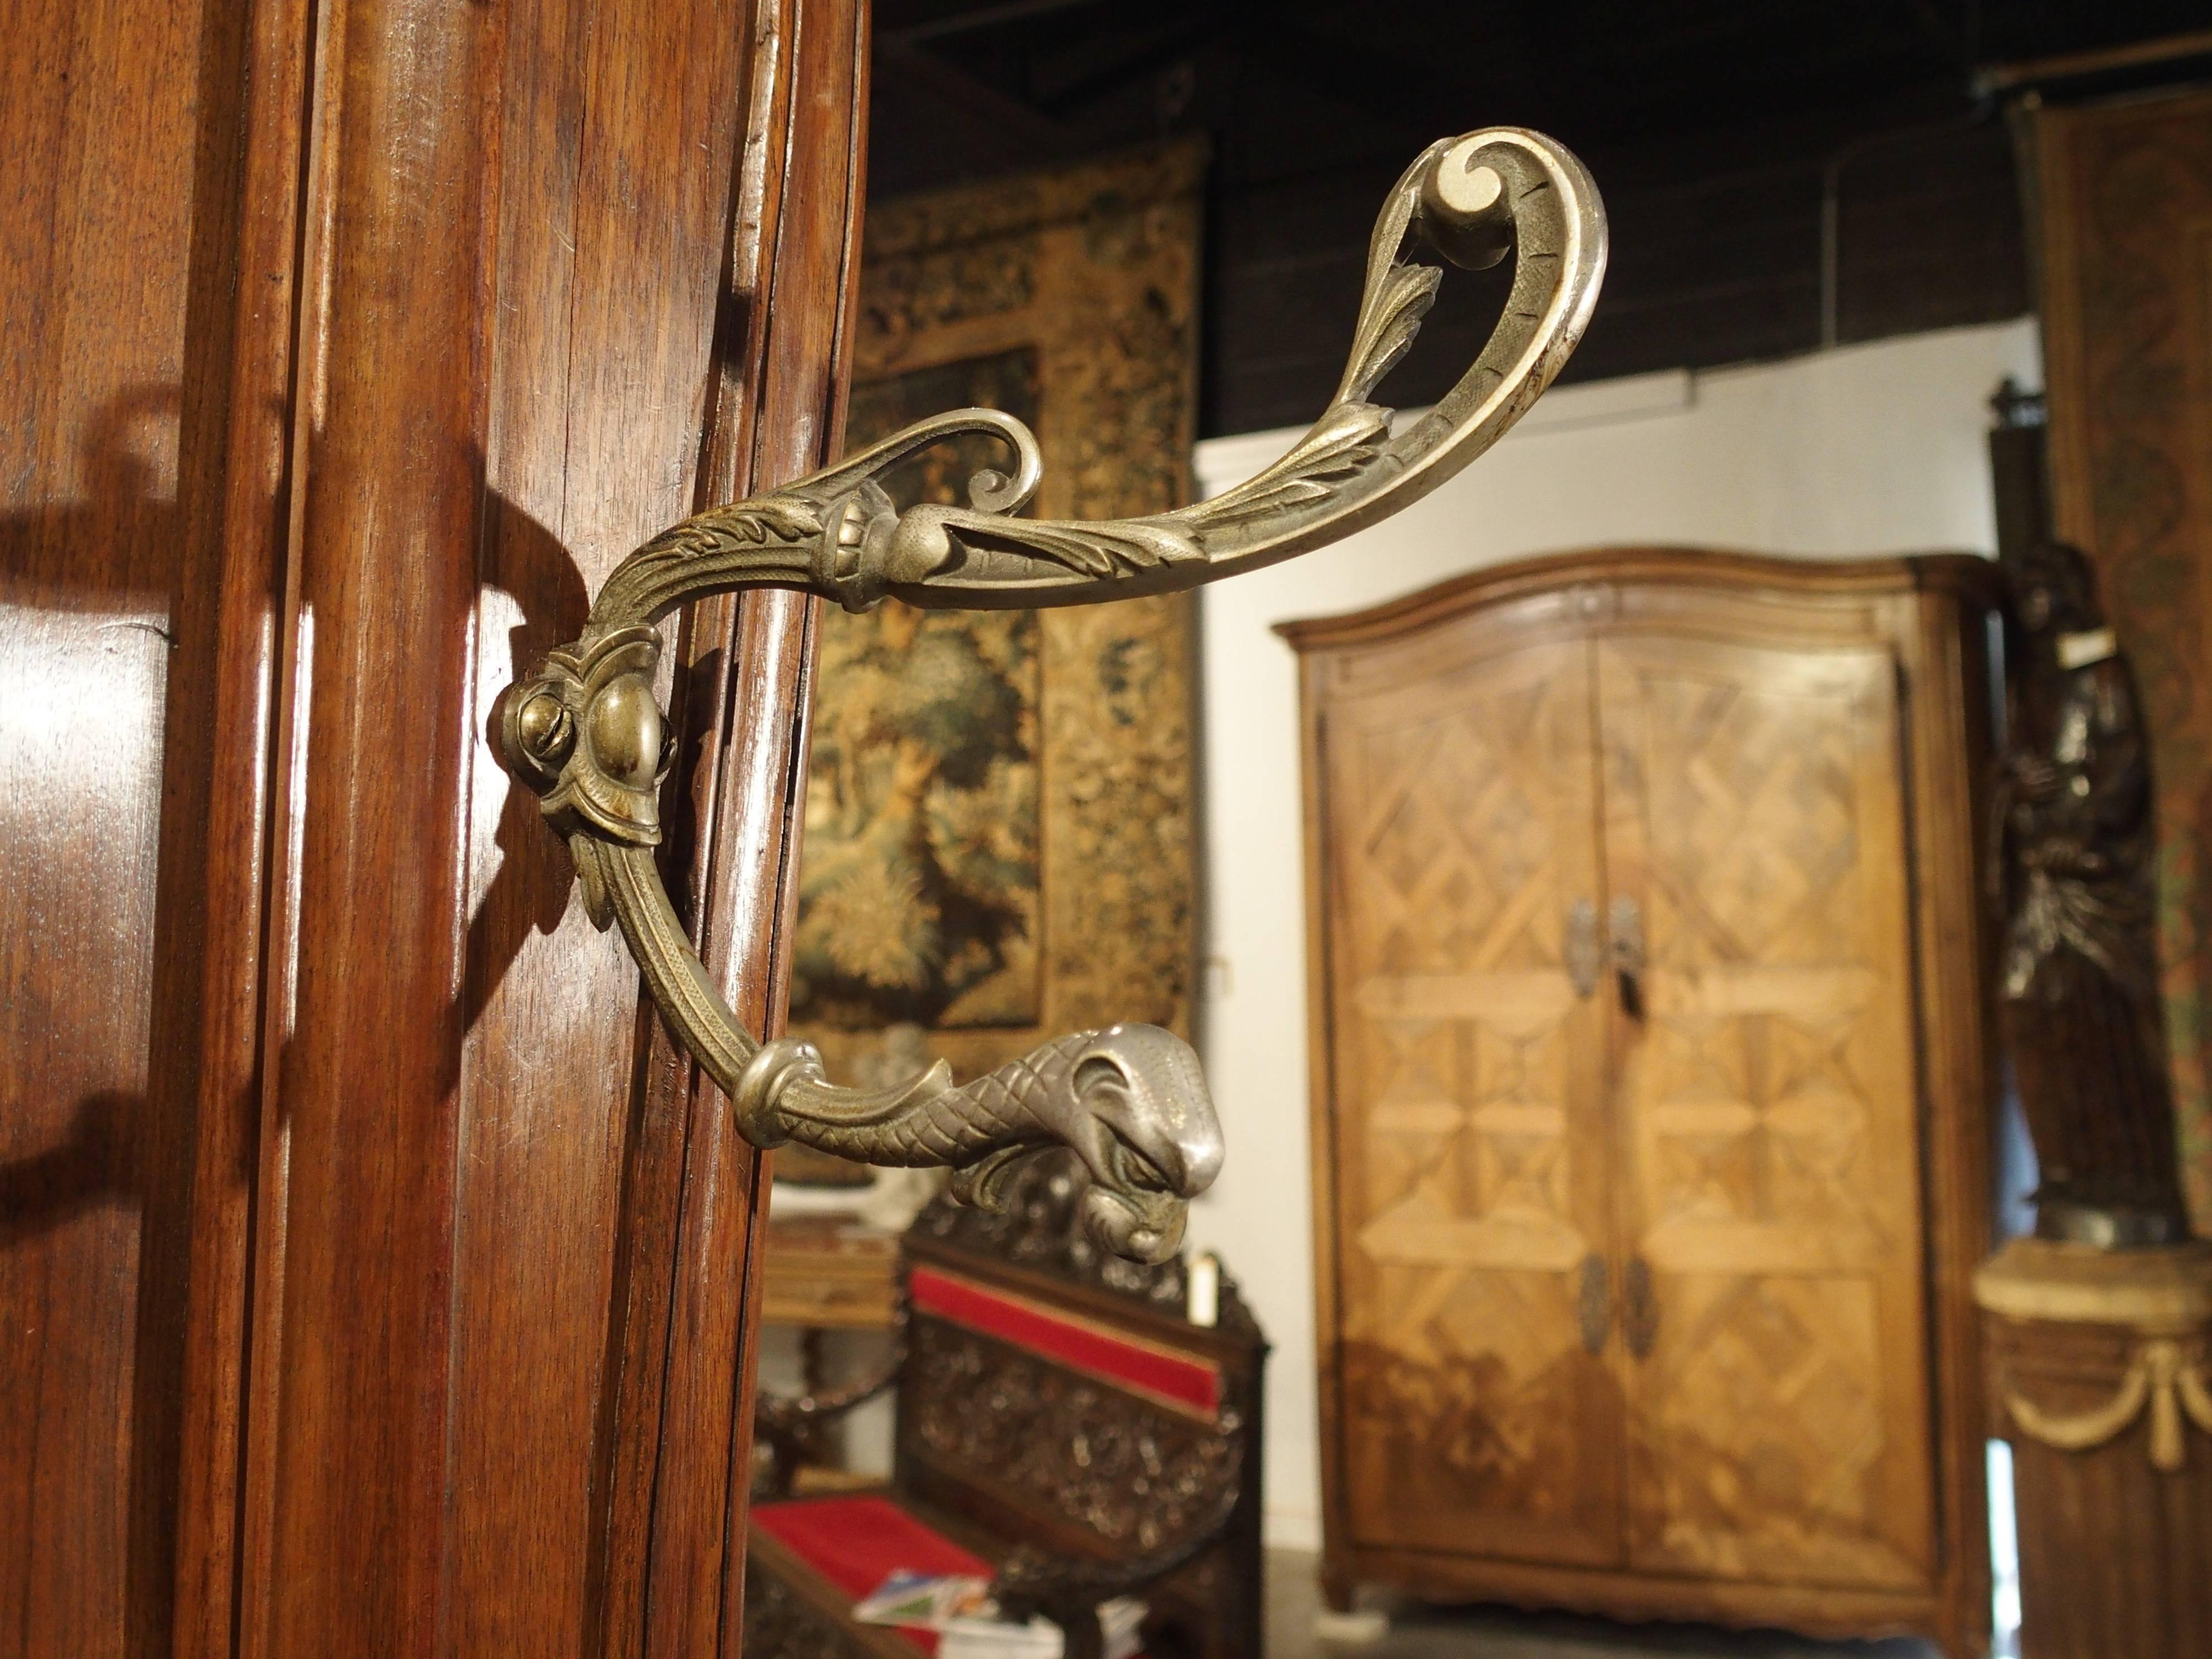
1160,1374
858,1542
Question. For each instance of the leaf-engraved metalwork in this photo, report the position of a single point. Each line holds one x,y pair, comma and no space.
1039,1226
584,731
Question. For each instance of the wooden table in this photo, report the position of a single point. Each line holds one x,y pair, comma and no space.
828,1272
822,1273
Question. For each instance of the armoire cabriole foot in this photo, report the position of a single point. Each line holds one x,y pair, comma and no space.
584,729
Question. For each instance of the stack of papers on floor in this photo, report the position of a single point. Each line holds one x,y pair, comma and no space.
919,1599
961,1611
971,1638
1120,1622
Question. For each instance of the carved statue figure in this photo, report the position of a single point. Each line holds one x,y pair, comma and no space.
2079,975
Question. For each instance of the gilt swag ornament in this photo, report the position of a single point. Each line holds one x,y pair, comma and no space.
583,729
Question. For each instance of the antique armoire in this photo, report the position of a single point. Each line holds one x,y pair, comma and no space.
1650,1087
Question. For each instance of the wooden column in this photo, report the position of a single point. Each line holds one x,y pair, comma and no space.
2098,1372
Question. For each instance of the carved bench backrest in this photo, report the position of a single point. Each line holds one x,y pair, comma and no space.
1030,1410
1056,1394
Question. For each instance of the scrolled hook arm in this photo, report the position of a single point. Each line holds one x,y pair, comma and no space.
583,730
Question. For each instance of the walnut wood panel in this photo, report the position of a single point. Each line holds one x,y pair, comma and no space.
2124,194
1790,1131
591,397
683,1431
372,1258
131,368
229,620
1768,1109
1470,1138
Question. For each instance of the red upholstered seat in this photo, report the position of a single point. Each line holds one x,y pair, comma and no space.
1159,1374
858,1542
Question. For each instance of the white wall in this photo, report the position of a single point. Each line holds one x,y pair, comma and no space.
1870,449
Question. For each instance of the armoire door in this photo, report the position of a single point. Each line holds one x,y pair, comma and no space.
1767,1109
1470,1146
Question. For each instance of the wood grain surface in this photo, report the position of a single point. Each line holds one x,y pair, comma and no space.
376,1279
129,365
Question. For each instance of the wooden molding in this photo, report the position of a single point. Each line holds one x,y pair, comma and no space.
2155,1292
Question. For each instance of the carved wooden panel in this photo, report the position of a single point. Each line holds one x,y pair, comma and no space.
793,1612
1767,1103
2148,1591
2126,193
1039,1438
1470,1150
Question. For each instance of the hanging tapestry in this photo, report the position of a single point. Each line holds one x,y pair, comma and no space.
998,837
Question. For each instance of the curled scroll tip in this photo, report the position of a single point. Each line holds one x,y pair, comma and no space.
990,490
1465,213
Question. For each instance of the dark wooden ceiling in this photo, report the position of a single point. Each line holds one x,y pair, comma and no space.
1715,127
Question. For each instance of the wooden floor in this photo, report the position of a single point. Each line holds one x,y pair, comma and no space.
1418,1632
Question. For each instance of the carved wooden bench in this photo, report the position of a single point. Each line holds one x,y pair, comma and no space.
1062,1424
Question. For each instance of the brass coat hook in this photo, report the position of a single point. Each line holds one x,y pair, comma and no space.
584,730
